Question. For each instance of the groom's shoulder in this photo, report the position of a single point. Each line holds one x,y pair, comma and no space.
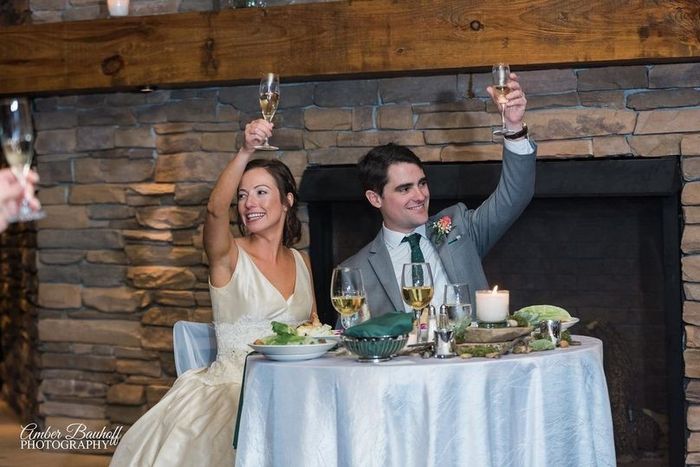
358,258
451,211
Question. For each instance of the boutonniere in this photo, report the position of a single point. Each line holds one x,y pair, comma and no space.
441,228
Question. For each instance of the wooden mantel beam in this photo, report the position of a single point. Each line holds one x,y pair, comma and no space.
325,40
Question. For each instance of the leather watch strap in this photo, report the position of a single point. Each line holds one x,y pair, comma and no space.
517,135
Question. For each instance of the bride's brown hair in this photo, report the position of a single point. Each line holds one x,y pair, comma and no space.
286,185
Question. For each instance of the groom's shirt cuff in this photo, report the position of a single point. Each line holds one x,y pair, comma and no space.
521,146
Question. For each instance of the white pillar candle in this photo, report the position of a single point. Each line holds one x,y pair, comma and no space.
118,7
492,305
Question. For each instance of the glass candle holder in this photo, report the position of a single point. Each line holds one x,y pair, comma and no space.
118,7
492,308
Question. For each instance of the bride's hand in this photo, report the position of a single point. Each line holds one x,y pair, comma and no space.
255,134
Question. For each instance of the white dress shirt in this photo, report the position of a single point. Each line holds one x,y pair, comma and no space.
400,254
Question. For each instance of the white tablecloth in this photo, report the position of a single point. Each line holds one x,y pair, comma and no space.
541,409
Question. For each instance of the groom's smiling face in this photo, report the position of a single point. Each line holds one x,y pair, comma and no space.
404,199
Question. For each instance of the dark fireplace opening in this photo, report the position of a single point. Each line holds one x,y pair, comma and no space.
601,239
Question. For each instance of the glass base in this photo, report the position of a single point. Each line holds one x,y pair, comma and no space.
448,355
267,147
373,359
503,132
348,321
496,325
25,215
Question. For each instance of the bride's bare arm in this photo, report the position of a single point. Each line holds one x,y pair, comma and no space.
219,244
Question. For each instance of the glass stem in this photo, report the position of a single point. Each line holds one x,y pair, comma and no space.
503,117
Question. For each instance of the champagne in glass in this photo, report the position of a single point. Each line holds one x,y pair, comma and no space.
347,294
17,141
500,74
269,100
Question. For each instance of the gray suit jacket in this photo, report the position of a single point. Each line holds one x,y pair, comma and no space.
473,234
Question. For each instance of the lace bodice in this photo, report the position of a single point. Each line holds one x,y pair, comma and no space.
243,309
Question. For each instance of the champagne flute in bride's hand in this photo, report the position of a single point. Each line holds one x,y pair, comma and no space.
501,74
17,141
269,99
347,294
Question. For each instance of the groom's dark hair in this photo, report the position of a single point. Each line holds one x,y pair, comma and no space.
374,166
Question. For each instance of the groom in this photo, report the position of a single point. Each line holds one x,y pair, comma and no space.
395,183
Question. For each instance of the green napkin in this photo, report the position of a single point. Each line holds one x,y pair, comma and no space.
389,324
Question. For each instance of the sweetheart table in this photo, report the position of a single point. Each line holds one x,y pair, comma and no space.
540,409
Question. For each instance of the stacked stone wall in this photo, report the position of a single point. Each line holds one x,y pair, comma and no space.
125,179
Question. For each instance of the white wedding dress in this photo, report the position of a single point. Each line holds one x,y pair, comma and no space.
193,423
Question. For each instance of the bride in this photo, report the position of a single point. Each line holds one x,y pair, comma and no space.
252,280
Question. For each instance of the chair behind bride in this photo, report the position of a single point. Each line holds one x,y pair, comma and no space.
194,345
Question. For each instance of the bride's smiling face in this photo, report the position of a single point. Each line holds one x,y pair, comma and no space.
259,201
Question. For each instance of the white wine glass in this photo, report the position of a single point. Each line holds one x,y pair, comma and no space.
417,286
347,294
17,141
269,100
500,73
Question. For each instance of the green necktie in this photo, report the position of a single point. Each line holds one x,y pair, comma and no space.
416,256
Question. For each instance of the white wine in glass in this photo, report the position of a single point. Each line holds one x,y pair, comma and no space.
269,100
17,141
417,286
347,294
500,74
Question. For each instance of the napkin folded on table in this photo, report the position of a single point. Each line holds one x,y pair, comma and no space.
389,324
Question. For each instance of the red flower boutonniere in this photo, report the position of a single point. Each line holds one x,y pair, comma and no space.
441,228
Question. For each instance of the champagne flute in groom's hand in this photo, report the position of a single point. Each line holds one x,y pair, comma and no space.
501,74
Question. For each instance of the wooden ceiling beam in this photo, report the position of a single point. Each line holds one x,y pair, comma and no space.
341,39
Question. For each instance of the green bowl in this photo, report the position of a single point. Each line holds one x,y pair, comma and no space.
375,349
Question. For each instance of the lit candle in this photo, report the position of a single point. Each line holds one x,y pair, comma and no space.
492,305
118,7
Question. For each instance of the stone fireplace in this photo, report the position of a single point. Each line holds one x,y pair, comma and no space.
125,178
594,240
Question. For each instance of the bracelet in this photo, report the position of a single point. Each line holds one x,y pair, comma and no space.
518,134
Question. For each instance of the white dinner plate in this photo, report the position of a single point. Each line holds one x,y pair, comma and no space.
567,324
289,353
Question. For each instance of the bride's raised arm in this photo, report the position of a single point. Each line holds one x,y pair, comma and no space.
219,244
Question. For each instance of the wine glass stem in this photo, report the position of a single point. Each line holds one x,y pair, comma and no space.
416,323
503,117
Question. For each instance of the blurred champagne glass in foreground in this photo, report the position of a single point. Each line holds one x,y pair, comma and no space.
17,141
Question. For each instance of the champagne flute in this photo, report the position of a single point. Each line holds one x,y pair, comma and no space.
269,99
417,289
17,140
347,294
500,74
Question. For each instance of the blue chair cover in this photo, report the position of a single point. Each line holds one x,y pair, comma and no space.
194,345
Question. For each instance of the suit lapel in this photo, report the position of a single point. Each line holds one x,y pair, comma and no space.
380,261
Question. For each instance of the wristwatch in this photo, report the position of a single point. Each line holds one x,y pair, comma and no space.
519,134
